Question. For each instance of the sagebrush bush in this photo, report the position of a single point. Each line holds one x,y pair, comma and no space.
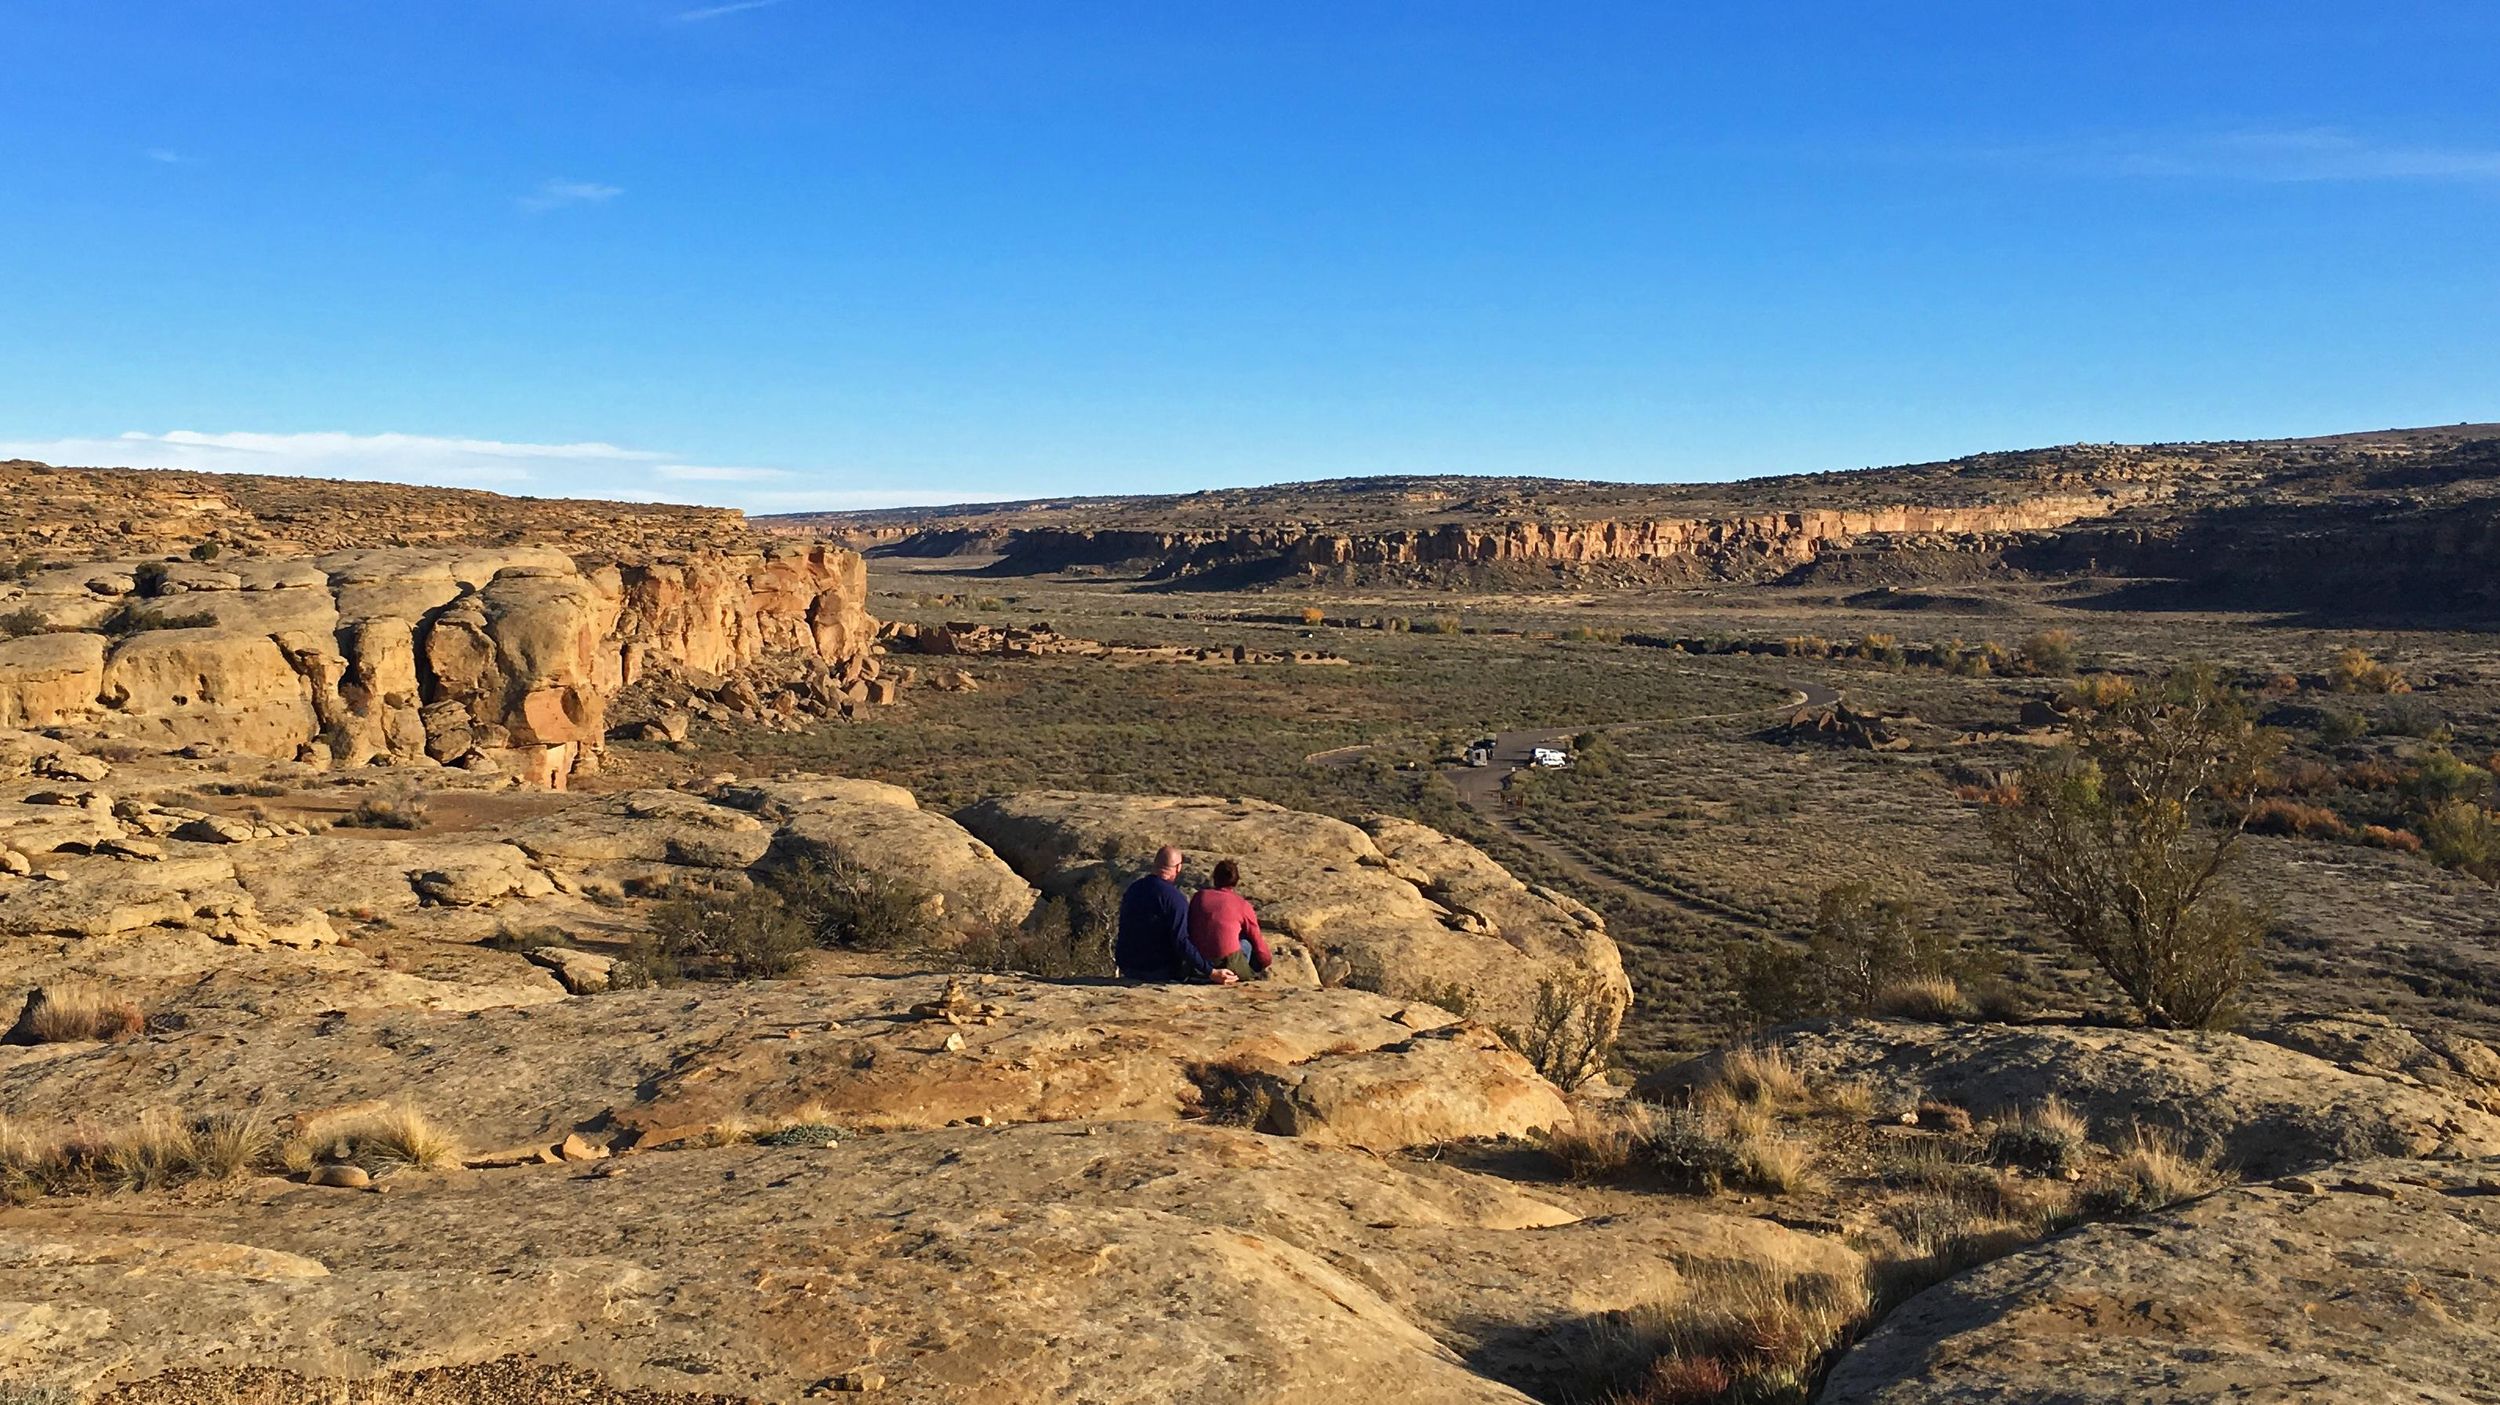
1571,1031
2354,671
723,936
2124,839
845,904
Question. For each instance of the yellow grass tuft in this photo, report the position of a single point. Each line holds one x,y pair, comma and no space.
71,1013
1740,1332
1934,999
1760,1076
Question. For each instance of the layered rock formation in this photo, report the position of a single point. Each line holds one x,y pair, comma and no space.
489,658
2400,521
1745,546
2364,1282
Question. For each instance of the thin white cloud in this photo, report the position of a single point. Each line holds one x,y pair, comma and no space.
579,470
713,12
163,156
556,194
2310,154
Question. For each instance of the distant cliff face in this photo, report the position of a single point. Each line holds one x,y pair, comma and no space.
490,658
1749,546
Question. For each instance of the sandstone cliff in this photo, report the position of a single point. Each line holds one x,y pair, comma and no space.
2402,515
494,658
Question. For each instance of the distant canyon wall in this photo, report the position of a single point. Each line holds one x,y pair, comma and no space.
1744,546
491,658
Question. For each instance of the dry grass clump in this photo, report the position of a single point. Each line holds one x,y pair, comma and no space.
2048,1138
1944,1116
392,1139
379,812
810,1123
1934,999
1704,1149
72,1013
1757,1076
1600,1143
154,1152
1741,1333
2153,1172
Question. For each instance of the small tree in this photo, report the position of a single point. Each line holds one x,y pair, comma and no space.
2122,839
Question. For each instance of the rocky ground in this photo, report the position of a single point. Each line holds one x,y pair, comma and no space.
773,1060
764,1190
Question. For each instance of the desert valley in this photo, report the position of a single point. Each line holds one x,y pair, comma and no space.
2017,928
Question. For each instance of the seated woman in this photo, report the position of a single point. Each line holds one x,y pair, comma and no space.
1220,919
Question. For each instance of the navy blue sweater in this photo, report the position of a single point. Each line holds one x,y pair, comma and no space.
1154,942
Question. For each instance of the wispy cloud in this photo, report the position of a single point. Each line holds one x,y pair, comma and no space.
2308,154
713,12
590,469
163,156
556,194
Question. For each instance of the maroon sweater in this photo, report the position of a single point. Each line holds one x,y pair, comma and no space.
1219,919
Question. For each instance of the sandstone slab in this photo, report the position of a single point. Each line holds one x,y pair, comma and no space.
2311,1293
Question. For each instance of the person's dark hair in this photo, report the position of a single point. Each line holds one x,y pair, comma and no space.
1227,875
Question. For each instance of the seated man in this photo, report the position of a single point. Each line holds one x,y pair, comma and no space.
1154,944
1220,918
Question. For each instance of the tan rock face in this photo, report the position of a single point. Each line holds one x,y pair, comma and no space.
2260,1107
828,821
1112,1262
653,1067
498,657
48,679
2384,1287
1400,909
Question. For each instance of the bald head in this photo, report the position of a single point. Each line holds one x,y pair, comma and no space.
1168,861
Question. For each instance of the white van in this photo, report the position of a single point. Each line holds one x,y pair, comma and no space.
1548,756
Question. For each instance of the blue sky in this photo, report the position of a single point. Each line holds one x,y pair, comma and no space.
812,253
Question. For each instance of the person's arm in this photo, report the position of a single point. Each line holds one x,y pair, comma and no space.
1258,939
1185,954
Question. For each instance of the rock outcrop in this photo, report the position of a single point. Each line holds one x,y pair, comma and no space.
2366,1282
496,658
1110,1262
1394,907
2260,1107
649,1068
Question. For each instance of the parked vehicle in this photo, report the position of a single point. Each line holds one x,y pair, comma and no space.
1549,756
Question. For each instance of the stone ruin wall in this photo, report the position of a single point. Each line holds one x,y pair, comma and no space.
491,658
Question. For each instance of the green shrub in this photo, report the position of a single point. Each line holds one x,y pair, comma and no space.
1571,1031
2462,835
20,622
843,904
2122,839
2051,652
738,936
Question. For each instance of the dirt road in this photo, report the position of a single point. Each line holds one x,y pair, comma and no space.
1481,788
